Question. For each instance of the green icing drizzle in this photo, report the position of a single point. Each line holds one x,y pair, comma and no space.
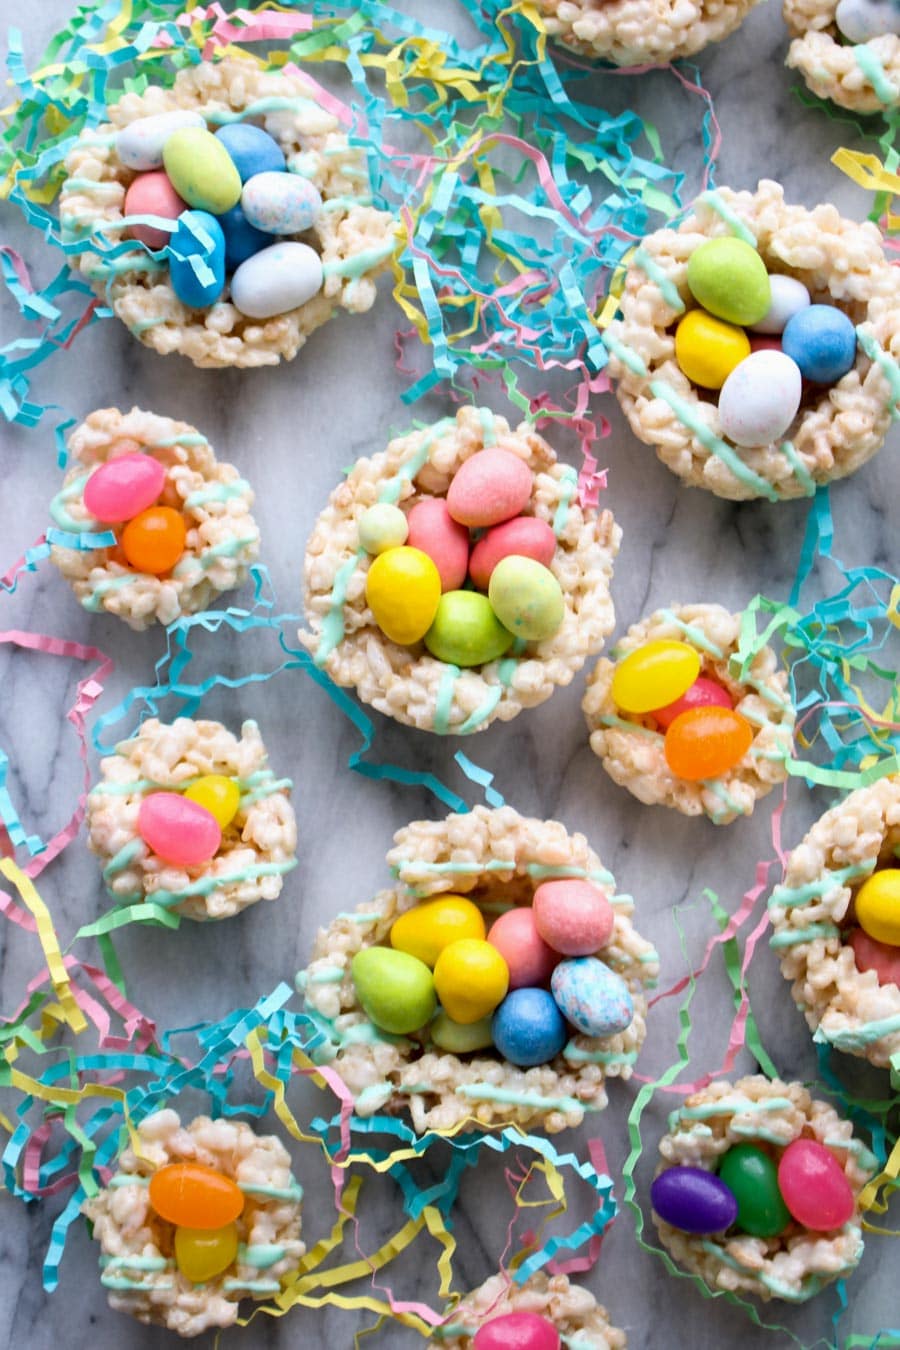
488,435
626,355
785,897
689,417
847,1039
260,1254
869,63
206,885
667,288
568,487
60,516
356,266
121,860
333,624
734,223
804,478
886,364
216,492
693,634
485,1092
795,935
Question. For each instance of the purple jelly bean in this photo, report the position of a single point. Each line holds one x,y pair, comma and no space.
693,1200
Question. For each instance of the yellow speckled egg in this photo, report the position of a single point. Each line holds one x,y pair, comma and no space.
429,927
708,349
654,675
878,906
220,796
471,978
403,591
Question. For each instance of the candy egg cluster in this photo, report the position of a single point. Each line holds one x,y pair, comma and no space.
125,490
876,940
185,829
203,1205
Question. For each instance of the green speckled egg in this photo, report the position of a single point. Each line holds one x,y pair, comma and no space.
459,1039
466,631
527,598
396,990
201,170
729,279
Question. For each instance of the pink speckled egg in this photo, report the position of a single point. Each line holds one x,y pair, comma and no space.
517,1331
151,194
814,1187
178,830
573,917
881,957
124,487
530,960
492,486
703,693
433,530
525,536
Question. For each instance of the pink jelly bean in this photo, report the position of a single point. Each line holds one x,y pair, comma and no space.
124,487
517,1331
878,956
433,530
151,194
703,693
524,536
491,486
813,1186
178,830
531,962
764,344
573,917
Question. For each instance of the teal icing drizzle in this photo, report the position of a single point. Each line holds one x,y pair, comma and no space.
143,325
216,492
186,439
121,1283
734,222
93,601
810,1284
576,1054
443,703
870,64
786,897
666,287
858,1038
689,417
886,364
792,936
293,1191
60,516
568,487
626,355
333,624
695,636
121,860
488,435
228,548
486,1092
134,1263
362,262
260,1254
219,116
253,1286
804,478
206,885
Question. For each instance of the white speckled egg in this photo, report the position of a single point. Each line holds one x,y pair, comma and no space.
280,203
760,398
140,144
861,20
276,279
789,296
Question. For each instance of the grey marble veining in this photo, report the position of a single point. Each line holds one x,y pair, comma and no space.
290,430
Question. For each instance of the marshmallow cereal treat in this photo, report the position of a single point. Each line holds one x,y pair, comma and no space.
498,982
454,578
196,1218
758,1189
250,213
847,50
680,719
181,519
836,922
757,344
536,1315
190,818
641,32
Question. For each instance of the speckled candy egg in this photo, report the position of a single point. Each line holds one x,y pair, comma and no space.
281,203
151,194
140,144
489,487
525,536
760,398
241,239
435,532
693,1200
281,277
517,1331
878,905
459,1038
201,170
466,631
529,958
729,278
402,590
381,527
592,997
789,296
881,957
252,150
861,20
822,340
430,926
396,990
528,1028
573,917
198,237
527,598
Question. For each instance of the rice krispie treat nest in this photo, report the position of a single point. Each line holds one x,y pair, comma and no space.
797,1263
573,1310
812,913
406,682
355,241
222,538
258,847
138,1267
495,858
864,77
836,430
631,749
641,32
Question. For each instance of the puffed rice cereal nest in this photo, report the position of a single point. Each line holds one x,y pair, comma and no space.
811,911
407,683
631,749
863,77
222,537
837,429
797,1263
355,240
138,1266
464,854
641,32
257,849
574,1312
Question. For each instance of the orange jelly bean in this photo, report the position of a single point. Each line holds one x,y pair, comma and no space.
706,742
154,541
195,1196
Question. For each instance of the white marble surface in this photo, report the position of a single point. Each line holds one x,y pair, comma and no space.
290,430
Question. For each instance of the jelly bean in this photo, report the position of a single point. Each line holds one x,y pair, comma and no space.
789,296
241,240
861,20
251,149
197,238
707,349
201,170
466,631
194,1196
279,278
814,1187
760,398
527,598
517,1331
153,541
396,990
179,831
489,487
435,532
403,588
878,906
151,194
822,340
573,917
471,978
704,743
201,1254
525,536
752,1177
458,1039
218,795
703,693
430,926
124,486
140,144
693,1200
592,997
381,527
881,957
281,203
729,278
528,1028
529,958
654,675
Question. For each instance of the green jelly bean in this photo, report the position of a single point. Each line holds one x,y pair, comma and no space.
752,1177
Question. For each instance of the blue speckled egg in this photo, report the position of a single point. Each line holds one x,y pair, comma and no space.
281,203
693,1200
241,239
528,1028
822,341
198,240
591,996
252,149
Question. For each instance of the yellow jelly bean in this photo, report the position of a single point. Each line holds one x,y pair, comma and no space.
654,675
220,796
471,979
203,1253
432,925
403,591
708,349
878,906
